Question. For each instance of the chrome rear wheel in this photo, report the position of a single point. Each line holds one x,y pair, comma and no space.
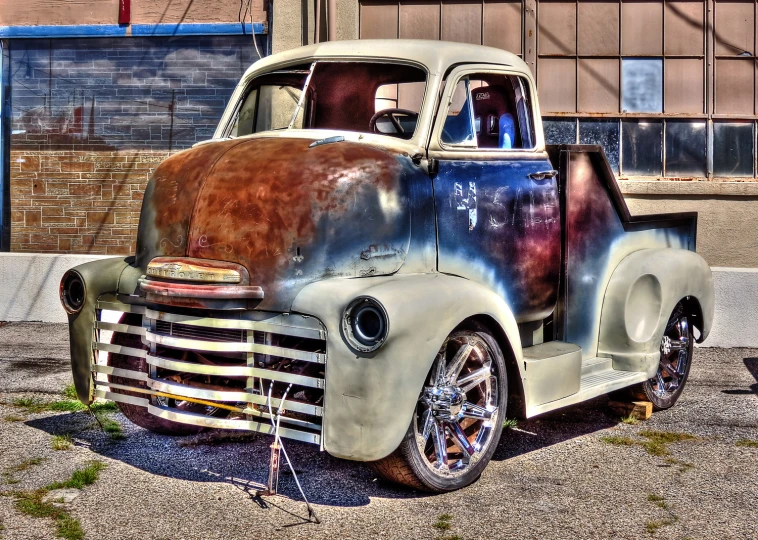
458,418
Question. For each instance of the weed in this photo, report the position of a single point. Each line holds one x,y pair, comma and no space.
659,501
443,522
65,405
683,465
13,418
80,477
70,392
510,423
657,441
31,504
25,465
747,442
111,427
61,442
631,420
618,441
653,526
103,407
32,405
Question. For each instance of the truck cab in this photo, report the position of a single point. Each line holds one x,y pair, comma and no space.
378,251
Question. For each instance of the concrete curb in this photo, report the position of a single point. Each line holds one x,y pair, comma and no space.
30,293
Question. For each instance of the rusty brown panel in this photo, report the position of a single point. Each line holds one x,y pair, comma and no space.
37,12
462,21
419,20
683,28
641,27
556,84
556,28
734,86
683,83
378,20
735,28
265,223
598,85
598,28
193,11
502,25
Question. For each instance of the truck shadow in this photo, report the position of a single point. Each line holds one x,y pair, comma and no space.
752,366
326,480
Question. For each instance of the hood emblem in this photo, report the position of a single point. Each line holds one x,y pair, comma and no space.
186,271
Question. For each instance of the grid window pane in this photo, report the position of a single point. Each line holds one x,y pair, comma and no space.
598,28
560,131
418,20
557,28
379,20
642,80
641,147
683,28
734,86
502,25
641,27
734,28
556,84
606,134
685,148
684,85
598,86
733,149
462,21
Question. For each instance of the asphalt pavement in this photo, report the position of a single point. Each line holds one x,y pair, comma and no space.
575,473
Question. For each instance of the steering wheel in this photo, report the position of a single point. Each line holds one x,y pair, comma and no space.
390,114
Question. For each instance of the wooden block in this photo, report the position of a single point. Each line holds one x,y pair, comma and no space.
641,410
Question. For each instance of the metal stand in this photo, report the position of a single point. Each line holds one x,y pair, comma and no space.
273,469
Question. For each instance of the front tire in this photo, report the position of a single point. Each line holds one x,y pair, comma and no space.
457,422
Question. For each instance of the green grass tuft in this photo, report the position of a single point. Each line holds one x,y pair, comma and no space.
750,443
25,465
443,522
80,477
617,440
657,441
32,405
70,392
510,423
61,442
631,420
112,428
31,504
104,407
68,527
13,418
659,501
66,405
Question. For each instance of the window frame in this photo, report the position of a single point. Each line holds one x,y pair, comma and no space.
438,149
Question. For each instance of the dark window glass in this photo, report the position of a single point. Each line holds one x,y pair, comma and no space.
560,131
641,147
685,148
606,134
733,149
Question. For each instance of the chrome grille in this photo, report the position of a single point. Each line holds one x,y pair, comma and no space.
200,332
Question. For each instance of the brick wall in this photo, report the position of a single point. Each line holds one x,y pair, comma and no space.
91,119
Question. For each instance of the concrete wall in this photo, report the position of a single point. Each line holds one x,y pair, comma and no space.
68,12
30,293
293,22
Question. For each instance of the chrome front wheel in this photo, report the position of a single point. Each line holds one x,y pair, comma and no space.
458,418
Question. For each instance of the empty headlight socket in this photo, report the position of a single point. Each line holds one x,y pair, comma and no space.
73,291
365,324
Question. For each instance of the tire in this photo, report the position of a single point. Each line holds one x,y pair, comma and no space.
677,347
136,414
466,414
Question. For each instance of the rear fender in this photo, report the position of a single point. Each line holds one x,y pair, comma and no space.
641,295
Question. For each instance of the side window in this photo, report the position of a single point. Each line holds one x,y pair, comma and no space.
459,125
501,110
268,107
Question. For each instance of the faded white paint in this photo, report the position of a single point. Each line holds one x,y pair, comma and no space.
30,282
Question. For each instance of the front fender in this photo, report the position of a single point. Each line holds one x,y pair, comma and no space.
641,295
369,399
99,277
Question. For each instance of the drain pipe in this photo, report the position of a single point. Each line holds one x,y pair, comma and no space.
331,20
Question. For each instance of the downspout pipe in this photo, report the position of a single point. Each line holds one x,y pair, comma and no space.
331,24
5,146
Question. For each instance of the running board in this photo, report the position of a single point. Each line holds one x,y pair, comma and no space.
594,382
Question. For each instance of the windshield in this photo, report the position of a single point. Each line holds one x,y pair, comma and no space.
365,97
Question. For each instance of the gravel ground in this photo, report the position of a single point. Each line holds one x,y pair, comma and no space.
551,477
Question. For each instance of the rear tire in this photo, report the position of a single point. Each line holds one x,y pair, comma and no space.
677,347
136,414
458,419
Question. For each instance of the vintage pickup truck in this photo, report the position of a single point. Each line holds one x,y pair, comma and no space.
378,236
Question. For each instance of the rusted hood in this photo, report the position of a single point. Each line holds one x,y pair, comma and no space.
289,213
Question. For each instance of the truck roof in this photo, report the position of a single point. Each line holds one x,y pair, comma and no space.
437,56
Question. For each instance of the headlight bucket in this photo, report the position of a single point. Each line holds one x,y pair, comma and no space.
73,292
365,324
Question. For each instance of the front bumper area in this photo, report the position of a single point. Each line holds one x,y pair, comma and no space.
232,366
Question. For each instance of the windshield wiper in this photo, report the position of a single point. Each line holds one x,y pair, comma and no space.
327,140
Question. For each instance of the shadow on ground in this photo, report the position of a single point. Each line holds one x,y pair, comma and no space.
245,464
752,366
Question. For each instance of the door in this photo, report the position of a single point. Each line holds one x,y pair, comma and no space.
496,195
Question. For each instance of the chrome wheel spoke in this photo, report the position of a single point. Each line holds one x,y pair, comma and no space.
427,422
678,345
460,439
661,384
439,372
475,378
469,410
440,445
457,363
665,366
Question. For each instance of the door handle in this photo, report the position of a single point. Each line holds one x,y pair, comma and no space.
543,175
